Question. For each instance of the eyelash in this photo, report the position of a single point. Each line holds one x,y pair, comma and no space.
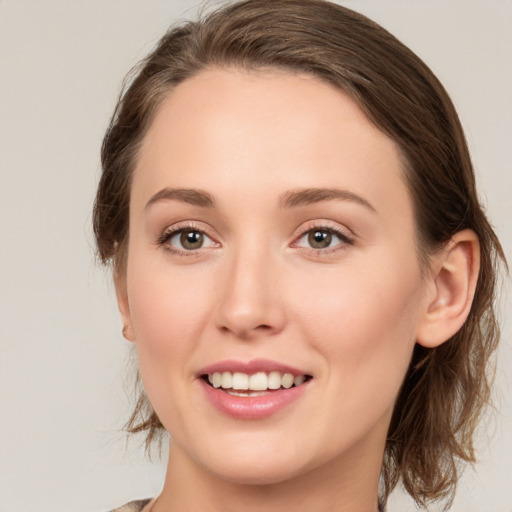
344,239
170,233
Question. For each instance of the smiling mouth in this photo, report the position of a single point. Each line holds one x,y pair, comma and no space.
257,384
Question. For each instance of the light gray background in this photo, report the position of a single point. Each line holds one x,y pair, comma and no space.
62,357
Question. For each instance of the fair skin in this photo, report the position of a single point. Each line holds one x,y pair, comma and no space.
232,257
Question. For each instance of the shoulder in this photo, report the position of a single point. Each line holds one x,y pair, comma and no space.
133,506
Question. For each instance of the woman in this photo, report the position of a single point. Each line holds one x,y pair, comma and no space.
301,260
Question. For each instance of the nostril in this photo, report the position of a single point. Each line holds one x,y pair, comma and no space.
246,333
263,327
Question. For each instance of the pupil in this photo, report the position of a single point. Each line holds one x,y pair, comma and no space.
320,239
191,239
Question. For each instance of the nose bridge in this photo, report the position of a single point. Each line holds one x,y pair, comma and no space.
250,298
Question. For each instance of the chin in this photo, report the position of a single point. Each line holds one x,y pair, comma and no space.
252,461
245,473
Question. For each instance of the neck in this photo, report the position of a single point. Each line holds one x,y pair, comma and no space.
347,485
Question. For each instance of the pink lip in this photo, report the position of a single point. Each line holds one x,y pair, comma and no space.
250,367
254,407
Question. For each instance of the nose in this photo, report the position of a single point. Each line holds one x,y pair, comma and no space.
250,301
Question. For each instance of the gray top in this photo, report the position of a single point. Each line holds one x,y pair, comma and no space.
133,506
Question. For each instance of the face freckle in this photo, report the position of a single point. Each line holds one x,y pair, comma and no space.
328,283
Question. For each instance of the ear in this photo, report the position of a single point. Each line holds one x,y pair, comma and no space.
453,282
124,306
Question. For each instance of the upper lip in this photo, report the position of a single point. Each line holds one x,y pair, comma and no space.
250,367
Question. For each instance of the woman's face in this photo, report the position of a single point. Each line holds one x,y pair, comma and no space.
271,233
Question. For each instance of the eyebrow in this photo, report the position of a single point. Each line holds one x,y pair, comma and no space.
289,199
315,195
186,195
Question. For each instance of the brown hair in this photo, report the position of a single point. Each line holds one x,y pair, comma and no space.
445,389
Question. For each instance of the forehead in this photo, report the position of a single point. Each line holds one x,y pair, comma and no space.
231,130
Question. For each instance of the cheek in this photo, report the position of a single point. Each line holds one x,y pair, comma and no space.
168,312
366,340
364,326
166,306
363,307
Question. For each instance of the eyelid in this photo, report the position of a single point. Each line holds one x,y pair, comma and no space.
346,236
171,231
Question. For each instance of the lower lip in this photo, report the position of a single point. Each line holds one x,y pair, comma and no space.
252,407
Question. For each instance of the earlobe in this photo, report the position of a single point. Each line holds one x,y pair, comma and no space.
124,307
454,279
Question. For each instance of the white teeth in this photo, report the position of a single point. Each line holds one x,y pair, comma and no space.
240,381
260,381
217,380
227,380
274,380
287,380
299,380
245,393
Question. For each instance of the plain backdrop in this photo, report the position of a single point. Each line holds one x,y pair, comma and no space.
63,362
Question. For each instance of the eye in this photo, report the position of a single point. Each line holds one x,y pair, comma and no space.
188,239
320,238
185,240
